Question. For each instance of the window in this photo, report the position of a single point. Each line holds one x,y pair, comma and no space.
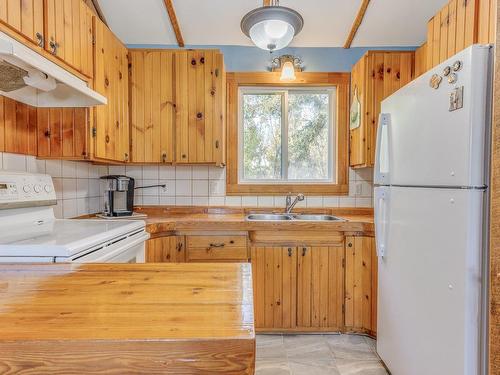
286,135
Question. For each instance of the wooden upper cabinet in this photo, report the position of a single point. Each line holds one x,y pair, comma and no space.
68,33
320,286
200,107
111,122
152,106
375,76
457,25
25,17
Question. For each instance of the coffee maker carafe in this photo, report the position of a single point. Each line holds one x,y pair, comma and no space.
119,195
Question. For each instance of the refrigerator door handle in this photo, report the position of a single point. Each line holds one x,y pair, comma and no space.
382,156
381,219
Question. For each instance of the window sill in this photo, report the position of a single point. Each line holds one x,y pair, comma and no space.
283,189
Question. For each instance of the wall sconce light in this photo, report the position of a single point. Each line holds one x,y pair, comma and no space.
288,65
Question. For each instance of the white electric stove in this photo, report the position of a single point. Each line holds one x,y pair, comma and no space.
29,231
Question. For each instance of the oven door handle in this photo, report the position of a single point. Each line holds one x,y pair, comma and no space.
110,252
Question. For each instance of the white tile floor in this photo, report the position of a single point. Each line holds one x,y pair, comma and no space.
317,355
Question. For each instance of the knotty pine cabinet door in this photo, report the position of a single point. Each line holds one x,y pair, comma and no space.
63,133
25,17
361,266
69,33
166,249
17,127
200,107
111,121
320,288
375,76
275,287
152,106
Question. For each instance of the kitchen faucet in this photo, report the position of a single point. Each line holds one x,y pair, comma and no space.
290,205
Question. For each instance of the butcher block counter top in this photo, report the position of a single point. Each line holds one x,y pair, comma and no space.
170,219
126,318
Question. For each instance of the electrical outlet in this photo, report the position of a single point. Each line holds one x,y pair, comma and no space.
359,188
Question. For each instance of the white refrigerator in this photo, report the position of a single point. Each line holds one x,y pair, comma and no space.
431,175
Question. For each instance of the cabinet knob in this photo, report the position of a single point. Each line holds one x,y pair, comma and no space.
40,40
107,138
53,47
47,133
217,144
290,251
202,60
304,251
164,157
193,62
199,115
106,81
184,156
126,156
212,92
349,244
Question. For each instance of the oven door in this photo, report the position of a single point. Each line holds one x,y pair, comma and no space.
128,250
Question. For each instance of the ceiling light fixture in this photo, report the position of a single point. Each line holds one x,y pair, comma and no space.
288,65
272,27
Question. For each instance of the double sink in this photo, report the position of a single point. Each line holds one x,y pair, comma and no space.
292,217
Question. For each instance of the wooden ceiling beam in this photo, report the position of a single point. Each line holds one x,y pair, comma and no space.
174,22
357,23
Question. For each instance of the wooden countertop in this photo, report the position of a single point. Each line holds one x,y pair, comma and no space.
171,219
126,318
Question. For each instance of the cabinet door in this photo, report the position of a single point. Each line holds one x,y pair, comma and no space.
361,284
69,33
274,283
320,287
62,133
200,95
111,121
25,17
166,249
357,150
17,127
152,106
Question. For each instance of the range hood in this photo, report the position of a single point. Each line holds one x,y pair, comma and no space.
30,78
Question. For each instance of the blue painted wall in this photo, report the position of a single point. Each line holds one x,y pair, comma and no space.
253,59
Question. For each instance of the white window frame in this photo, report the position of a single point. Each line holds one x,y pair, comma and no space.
284,91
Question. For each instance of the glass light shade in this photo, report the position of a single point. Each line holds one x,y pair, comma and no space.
272,34
287,72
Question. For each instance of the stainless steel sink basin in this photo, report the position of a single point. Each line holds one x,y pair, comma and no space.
317,218
291,217
268,217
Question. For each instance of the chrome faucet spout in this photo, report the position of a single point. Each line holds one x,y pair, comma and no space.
290,205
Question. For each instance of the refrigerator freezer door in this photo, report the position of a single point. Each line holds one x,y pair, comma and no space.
428,143
429,282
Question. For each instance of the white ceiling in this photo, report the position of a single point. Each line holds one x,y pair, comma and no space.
217,22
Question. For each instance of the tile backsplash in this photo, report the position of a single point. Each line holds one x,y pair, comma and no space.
206,186
78,188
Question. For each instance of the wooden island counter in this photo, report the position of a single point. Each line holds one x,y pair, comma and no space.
126,319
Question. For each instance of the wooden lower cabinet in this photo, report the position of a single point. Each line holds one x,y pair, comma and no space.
275,287
298,288
320,287
361,285
166,249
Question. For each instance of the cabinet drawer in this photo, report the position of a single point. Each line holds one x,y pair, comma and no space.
218,254
216,241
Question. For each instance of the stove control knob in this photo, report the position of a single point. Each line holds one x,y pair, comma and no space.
37,188
48,188
26,188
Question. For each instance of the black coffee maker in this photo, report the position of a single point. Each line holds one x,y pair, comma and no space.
119,195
